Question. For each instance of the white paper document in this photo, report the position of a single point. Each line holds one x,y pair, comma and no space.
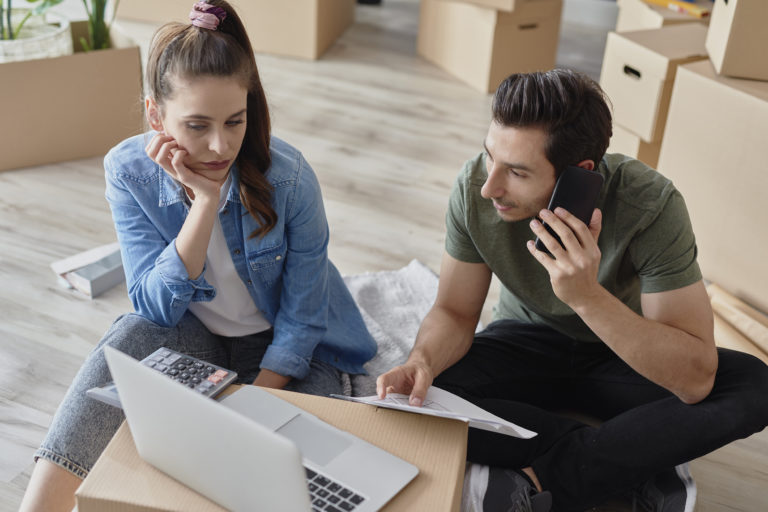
447,405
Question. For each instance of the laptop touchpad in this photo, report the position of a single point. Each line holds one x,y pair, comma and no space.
315,441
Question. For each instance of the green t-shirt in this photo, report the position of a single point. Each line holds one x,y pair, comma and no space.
646,241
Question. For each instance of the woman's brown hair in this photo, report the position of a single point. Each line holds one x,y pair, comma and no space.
180,50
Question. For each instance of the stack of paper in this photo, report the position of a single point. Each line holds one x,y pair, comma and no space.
444,404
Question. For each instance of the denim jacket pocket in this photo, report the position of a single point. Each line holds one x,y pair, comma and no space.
268,264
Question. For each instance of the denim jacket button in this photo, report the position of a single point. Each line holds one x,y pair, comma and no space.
237,251
278,257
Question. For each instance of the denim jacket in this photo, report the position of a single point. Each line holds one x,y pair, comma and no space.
287,271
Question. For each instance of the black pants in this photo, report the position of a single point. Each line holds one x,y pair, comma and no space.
529,374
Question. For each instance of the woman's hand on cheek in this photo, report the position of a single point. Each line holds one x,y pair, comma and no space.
165,151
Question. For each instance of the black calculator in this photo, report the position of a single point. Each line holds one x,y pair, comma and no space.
206,378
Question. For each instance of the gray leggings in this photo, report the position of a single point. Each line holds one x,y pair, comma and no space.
82,427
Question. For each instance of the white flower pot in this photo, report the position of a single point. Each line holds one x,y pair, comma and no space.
38,38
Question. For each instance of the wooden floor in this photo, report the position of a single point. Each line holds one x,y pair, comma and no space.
385,131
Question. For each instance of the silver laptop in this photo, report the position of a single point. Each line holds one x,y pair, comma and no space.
252,451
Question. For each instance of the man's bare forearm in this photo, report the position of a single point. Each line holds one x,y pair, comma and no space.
444,337
668,356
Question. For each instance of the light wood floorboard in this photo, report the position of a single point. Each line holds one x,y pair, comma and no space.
386,132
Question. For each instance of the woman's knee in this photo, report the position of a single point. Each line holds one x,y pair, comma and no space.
137,336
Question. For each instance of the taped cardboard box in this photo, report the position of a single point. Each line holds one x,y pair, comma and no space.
738,38
70,107
638,15
294,28
482,46
714,152
627,143
639,70
121,481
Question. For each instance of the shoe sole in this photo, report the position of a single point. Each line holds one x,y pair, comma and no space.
684,473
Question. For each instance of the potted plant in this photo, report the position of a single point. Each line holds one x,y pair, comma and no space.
26,33
98,28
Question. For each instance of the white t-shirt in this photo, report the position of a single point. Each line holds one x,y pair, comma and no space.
232,311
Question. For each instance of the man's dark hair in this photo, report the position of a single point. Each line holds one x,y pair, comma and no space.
569,106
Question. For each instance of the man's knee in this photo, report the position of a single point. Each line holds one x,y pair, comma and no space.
745,377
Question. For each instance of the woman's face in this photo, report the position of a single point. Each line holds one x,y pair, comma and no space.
207,117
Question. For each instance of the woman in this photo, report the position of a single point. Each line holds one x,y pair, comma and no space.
224,244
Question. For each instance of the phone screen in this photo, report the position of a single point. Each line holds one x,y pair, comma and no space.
576,190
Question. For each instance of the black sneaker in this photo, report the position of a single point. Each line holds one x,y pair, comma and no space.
672,490
511,491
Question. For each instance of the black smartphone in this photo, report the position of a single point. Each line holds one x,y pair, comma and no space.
576,190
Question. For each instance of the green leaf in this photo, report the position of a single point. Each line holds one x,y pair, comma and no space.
85,44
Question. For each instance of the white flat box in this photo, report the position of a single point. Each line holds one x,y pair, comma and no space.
639,70
714,152
638,15
738,38
293,28
627,143
482,46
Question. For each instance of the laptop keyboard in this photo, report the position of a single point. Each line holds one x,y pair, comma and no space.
330,496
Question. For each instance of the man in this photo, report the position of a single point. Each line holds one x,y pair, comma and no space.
616,324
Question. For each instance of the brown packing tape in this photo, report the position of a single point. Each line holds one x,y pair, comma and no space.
752,324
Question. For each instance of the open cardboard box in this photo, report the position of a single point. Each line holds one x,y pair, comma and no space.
638,15
482,46
70,107
638,73
293,28
714,152
121,481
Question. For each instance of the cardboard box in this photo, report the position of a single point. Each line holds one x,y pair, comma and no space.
482,46
627,143
70,107
638,15
639,70
737,38
294,28
121,481
501,5
714,152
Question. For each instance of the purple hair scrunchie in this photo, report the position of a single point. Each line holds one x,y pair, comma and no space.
205,15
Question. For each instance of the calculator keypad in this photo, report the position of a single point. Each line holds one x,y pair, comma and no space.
205,378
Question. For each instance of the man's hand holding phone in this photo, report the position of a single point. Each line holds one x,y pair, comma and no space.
574,265
566,243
